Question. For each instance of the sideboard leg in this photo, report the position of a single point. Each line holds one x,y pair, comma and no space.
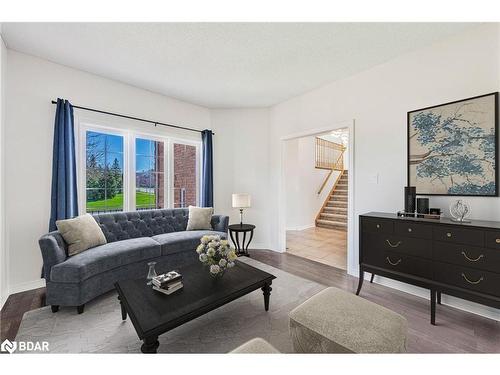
361,277
433,307
371,278
439,298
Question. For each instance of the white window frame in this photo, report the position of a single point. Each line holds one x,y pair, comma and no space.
166,156
85,126
129,161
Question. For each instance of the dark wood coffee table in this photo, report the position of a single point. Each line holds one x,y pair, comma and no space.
153,313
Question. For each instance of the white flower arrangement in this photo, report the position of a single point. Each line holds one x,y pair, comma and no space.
216,253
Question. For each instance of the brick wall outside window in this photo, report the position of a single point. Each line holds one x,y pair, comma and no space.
184,174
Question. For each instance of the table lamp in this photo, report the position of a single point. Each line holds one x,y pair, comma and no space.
241,201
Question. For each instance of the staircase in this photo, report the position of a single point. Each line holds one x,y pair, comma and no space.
333,214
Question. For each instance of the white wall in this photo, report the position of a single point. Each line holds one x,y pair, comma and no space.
3,253
302,181
241,155
31,85
378,100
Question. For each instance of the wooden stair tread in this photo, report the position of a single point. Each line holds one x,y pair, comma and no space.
330,208
333,217
332,222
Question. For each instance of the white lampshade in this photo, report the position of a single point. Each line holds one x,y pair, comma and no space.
241,200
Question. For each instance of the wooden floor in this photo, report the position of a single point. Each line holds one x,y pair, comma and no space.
14,309
323,245
456,331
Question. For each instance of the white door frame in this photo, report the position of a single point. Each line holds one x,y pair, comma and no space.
351,266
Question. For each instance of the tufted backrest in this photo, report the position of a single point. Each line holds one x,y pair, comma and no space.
124,225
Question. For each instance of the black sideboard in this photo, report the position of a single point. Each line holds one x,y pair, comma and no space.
457,259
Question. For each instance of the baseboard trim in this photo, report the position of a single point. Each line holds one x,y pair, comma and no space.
301,227
258,246
28,285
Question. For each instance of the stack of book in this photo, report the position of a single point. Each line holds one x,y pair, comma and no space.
167,283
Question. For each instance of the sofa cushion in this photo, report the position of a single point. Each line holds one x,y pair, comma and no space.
80,233
104,258
177,242
200,218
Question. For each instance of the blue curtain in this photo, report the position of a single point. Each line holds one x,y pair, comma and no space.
64,202
207,170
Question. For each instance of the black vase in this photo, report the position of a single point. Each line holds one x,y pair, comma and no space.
423,206
410,196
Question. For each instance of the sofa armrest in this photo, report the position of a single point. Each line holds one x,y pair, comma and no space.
220,223
53,250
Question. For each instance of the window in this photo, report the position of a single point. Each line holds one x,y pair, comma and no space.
123,171
149,174
104,172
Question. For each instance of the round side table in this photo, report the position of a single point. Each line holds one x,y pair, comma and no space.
234,233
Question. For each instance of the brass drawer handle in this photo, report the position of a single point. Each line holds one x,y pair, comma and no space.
497,240
393,245
448,235
409,230
472,282
378,226
391,263
470,259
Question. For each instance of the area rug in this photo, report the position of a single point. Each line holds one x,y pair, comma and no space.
100,328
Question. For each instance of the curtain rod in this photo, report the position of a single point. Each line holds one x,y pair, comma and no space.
133,118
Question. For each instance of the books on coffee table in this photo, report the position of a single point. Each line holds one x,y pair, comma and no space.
167,283
168,291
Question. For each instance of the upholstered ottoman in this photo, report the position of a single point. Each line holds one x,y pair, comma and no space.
256,346
334,321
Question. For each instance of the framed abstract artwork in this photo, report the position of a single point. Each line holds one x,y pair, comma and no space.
453,148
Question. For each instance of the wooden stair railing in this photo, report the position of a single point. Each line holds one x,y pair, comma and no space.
329,155
325,181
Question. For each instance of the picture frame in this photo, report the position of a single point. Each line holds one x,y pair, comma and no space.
452,148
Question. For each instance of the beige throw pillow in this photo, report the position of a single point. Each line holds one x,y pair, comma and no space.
81,233
200,218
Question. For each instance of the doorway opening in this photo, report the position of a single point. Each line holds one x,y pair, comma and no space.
316,176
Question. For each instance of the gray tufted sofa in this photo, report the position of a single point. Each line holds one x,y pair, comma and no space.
134,239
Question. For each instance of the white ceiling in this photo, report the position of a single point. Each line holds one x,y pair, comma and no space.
223,65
